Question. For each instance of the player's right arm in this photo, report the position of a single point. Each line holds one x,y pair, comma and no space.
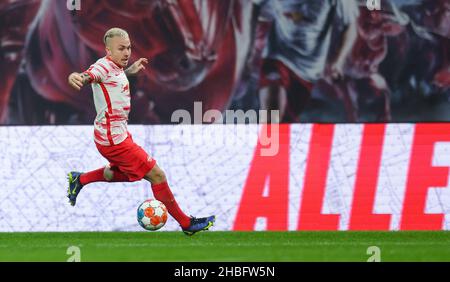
96,73
78,80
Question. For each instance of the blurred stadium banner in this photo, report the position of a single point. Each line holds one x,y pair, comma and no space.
320,177
315,61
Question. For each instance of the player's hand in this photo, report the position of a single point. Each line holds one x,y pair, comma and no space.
137,66
75,81
442,79
337,70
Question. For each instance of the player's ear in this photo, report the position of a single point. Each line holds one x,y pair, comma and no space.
108,51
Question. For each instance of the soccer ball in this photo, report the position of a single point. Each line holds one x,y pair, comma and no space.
152,214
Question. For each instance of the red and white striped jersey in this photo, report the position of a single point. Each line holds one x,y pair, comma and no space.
111,93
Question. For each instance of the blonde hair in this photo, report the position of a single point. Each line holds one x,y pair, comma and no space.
115,31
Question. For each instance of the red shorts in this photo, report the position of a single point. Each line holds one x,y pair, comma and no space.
128,158
275,72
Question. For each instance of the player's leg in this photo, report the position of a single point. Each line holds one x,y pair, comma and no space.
298,92
381,92
273,97
108,173
272,94
162,193
77,180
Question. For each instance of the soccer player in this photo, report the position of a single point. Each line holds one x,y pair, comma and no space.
297,47
128,162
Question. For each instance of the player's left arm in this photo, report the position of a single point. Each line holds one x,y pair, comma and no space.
350,35
136,67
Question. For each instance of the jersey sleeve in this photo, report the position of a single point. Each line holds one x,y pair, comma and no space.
97,72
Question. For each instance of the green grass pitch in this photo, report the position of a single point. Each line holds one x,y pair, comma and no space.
216,246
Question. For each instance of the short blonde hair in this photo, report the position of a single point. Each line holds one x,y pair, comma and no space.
113,32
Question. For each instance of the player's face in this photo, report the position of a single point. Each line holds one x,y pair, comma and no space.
119,50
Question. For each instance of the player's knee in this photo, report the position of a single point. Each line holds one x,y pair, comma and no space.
158,176
108,174
378,81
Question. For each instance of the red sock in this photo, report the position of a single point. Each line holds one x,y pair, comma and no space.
162,193
92,176
97,176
